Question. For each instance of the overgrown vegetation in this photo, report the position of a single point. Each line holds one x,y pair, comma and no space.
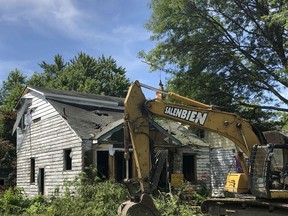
89,197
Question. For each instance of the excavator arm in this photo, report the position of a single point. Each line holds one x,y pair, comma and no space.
226,124
189,112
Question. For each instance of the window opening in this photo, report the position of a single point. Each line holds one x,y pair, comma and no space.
32,170
41,181
67,159
36,120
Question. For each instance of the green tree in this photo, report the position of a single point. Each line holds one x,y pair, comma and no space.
9,94
284,120
223,52
7,143
50,74
83,73
12,89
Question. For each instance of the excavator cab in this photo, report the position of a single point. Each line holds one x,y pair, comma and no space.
269,171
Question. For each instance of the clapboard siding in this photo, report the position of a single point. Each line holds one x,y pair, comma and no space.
222,156
221,164
202,166
45,141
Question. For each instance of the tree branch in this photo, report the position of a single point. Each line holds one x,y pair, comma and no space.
264,107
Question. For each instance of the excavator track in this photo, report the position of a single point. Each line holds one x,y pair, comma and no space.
243,206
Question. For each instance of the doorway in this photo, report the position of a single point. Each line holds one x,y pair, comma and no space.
120,166
41,181
103,164
189,167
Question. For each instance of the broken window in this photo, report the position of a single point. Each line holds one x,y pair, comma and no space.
67,159
23,121
199,132
37,120
32,170
189,166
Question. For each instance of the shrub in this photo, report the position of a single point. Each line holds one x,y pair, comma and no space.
38,205
14,201
170,204
90,198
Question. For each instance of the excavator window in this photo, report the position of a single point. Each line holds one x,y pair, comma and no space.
259,162
277,160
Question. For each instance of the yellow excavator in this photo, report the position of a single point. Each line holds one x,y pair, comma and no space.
263,184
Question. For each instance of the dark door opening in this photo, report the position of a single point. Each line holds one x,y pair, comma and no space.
189,166
120,166
103,164
41,181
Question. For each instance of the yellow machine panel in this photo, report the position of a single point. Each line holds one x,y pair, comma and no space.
236,183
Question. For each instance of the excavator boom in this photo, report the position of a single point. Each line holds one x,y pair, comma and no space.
194,113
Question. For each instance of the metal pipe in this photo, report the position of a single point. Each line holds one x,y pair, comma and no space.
126,147
152,88
174,96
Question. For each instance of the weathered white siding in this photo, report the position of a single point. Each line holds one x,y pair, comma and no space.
45,140
222,156
221,164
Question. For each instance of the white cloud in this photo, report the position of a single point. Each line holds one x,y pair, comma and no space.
15,10
68,18
96,27
39,14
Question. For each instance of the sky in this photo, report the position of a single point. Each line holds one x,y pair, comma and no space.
33,31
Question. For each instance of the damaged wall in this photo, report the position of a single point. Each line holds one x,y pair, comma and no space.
198,159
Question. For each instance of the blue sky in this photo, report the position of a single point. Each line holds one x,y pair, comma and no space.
33,31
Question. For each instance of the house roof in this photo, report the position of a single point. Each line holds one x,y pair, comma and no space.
76,97
96,117
181,133
86,120
87,114
107,131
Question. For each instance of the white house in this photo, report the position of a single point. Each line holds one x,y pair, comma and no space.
55,134
61,134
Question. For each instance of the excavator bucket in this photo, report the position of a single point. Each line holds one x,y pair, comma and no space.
144,207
